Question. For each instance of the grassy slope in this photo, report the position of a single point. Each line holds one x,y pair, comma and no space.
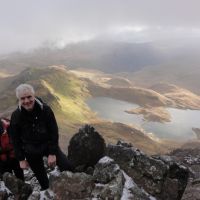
63,91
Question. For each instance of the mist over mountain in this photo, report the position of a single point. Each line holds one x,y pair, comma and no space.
108,56
179,72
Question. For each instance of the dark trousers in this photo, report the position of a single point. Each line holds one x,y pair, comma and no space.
37,165
12,165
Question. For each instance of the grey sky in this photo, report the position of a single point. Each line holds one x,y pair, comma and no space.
29,23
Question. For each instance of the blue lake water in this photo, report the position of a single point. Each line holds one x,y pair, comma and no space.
180,127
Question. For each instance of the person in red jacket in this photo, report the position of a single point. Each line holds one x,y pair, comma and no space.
34,133
8,162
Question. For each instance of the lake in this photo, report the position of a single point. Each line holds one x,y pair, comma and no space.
179,128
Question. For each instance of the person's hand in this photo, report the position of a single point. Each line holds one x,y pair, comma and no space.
24,164
52,160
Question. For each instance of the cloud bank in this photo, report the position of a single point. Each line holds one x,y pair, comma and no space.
28,24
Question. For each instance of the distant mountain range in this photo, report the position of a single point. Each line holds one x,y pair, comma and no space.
105,56
179,73
175,62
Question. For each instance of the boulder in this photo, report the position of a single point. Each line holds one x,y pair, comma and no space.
192,190
190,157
160,176
4,192
86,148
109,180
70,185
19,189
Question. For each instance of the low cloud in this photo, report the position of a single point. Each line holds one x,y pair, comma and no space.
28,24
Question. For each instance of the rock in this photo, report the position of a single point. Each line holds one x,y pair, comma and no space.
113,183
189,158
109,179
106,170
192,191
34,196
124,144
19,189
132,192
107,182
125,173
4,192
47,195
69,185
42,195
86,148
160,176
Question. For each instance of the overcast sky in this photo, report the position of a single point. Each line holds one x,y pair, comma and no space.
30,23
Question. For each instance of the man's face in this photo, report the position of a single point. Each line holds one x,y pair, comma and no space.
27,100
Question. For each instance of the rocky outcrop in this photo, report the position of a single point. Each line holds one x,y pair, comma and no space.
191,159
86,148
107,182
18,188
160,176
192,190
72,186
124,173
109,179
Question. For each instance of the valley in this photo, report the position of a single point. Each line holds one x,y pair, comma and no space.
67,91
163,88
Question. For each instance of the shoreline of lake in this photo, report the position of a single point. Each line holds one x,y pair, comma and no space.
180,127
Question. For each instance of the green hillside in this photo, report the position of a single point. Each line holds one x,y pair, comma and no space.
56,86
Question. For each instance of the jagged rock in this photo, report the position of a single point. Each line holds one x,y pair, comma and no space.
34,196
19,189
191,159
142,177
109,178
108,182
106,170
3,195
113,183
132,192
124,143
160,177
42,195
72,186
176,180
192,191
85,148
4,192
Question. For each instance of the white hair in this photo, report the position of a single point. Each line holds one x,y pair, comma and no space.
24,88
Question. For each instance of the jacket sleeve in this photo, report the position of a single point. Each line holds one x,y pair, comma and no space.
16,138
52,128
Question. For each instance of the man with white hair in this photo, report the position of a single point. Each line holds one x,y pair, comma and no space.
34,132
